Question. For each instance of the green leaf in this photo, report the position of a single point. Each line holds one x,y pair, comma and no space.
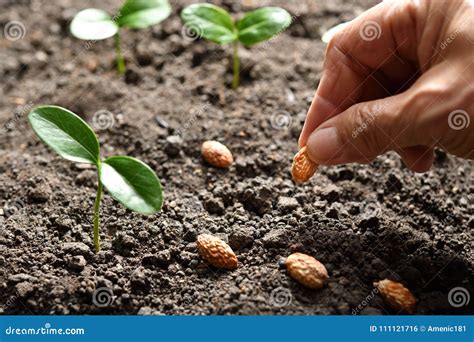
261,24
66,133
143,13
93,24
133,183
209,21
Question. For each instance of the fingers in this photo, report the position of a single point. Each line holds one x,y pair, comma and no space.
365,61
359,134
434,112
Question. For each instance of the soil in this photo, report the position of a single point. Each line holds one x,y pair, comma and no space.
364,222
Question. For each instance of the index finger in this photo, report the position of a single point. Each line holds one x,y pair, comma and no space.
366,60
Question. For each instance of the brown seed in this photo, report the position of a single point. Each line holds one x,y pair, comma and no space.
216,252
307,270
397,296
216,154
303,168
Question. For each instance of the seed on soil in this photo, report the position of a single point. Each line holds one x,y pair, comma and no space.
303,168
397,296
217,154
306,270
216,252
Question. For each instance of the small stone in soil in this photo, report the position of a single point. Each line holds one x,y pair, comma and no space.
16,278
173,145
124,243
77,262
40,193
161,122
64,224
241,237
76,248
330,192
23,289
139,280
276,238
287,204
214,205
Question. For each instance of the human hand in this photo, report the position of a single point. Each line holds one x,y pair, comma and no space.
399,77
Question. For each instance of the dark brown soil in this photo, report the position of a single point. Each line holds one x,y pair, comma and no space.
364,222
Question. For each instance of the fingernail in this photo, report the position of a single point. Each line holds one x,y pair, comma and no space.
324,145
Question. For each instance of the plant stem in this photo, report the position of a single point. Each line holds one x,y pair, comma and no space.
236,65
118,52
96,217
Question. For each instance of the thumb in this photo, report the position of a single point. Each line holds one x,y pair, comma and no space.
366,130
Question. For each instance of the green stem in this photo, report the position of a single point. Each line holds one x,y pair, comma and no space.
118,52
236,65
96,217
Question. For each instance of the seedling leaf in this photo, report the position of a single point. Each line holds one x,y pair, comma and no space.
132,183
66,133
93,24
262,24
143,13
211,22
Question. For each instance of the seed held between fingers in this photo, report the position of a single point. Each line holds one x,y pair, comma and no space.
303,168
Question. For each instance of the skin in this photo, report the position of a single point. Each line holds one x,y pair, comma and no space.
395,90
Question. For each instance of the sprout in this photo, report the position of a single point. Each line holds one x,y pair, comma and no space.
130,181
216,24
96,24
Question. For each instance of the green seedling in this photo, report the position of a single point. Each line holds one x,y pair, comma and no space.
96,24
216,24
130,181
